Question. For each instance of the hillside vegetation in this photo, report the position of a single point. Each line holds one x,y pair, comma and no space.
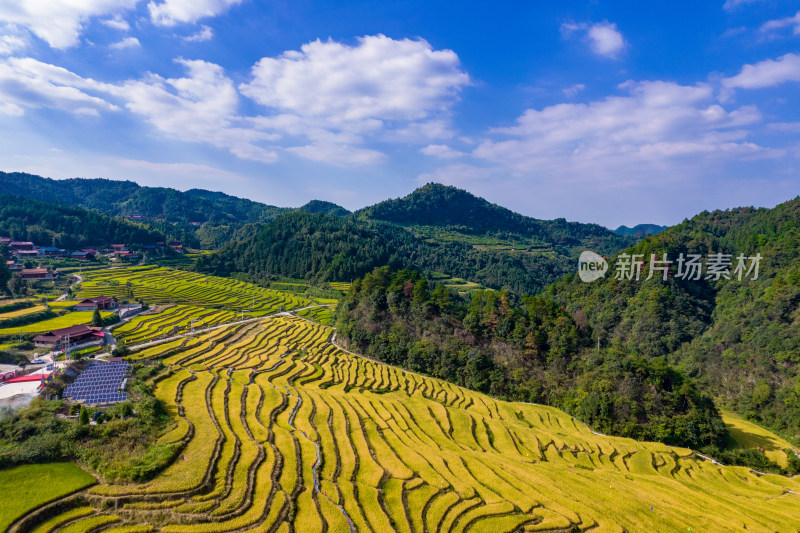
740,339
463,236
47,224
533,351
279,430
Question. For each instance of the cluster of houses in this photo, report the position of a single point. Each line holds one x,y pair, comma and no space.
26,250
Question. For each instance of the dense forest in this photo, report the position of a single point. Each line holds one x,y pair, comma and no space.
739,339
450,207
527,350
342,248
46,224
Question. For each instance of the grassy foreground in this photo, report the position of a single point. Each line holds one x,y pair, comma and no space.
30,486
279,426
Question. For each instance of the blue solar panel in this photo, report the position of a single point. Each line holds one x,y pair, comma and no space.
99,383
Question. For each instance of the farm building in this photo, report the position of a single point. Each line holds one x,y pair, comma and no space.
36,273
100,302
119,247
20,245
82,256
4,240
27,253
51,251
57,338
13,266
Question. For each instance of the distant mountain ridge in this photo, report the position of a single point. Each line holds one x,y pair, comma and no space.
326,208
448,230
440,205
640,230
126,198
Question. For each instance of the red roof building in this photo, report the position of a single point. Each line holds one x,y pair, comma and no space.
36,273
20,245
99,302
57,338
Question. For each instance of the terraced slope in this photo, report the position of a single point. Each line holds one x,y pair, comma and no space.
173,319
164,285
283,431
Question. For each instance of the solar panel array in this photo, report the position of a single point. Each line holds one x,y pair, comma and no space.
100,383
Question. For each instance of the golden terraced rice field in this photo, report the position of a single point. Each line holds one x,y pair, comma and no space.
283,431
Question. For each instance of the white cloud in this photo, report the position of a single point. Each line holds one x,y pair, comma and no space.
199,108
659,130
127,42
733,4
172,12
58,22
570,92
603,37
441,151
792,127
381,88
28,83
788,22
117,22
767,73
205,34
12,39
187,170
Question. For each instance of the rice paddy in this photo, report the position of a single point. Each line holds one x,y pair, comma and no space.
64,321
284,431
746,434
166,286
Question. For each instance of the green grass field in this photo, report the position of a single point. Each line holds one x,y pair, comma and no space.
24,488
64,321
282,426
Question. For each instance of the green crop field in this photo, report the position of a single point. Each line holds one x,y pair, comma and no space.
323,315
166,286
22,312
280,426
64,321
27,487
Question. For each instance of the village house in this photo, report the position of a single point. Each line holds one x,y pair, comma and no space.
101,303
51,251
20,245
81,256
58,338
37,273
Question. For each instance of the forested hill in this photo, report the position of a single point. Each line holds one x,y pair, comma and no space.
434,229
123,198
446,206
326,208
640,230
740,339
531,350
46,224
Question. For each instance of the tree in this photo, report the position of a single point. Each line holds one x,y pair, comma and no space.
83,417
97,320
17,286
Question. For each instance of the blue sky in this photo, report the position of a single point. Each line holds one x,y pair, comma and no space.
607,112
